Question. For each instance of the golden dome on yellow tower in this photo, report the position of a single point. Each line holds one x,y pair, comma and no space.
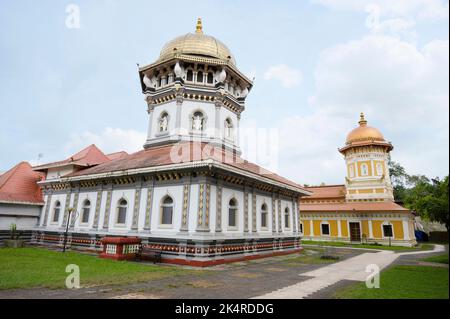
364,132
197,44
365,135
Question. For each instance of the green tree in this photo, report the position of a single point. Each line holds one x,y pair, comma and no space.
430,200
399,179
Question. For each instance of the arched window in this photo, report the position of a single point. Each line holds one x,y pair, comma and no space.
210,79
167,211
286,218
200,77
85,211
189,76
198,121
122,211
228,128
352,171
232,213
379,169
364,169
56,211
264,215
163,122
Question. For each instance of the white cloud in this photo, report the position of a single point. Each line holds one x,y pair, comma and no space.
403,90
109,140
421,9
289,77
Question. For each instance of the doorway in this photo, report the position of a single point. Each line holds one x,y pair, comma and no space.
355,232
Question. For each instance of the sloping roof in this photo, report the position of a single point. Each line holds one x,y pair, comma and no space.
88,156
19,185
183,153
386,206
117,155
327,191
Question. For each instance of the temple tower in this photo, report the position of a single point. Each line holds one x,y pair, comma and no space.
194,92
366,155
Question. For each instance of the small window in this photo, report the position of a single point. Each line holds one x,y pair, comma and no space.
163,122
387,230
56,211
198,121
228,128
325,229
286,218
364,170
301,228
189,76
167,211
122,211
379,169
86,211
200,77
210,78
264,215
232,212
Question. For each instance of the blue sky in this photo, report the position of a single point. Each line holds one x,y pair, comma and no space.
63,89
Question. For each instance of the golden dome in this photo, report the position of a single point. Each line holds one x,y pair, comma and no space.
197,44
364,133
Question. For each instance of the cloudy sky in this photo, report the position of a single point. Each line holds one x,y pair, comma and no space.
317,64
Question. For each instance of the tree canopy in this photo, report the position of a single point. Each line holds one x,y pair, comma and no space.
428,197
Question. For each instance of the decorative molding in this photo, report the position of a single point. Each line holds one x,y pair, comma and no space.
137,205
254,211
75,207
148,207
66,207
185,209
98,203
245,210
219,208
107,210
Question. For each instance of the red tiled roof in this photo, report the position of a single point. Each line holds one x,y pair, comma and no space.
88,156
19,184
353,206
117,155
327,191
182,153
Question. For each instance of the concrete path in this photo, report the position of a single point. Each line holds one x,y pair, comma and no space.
350,269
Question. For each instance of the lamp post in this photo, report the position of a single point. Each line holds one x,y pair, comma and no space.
70,210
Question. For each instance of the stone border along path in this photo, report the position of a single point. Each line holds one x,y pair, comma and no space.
351,269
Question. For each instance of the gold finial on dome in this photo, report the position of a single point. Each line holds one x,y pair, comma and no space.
362,120
199,27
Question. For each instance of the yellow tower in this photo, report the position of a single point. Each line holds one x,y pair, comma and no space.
366,155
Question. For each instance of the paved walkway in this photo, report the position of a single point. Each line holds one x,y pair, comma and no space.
350,269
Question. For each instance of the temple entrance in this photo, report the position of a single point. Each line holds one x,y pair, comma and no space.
355,232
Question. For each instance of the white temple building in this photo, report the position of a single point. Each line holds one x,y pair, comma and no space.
188,192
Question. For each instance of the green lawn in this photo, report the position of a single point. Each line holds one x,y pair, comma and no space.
367,246
309,256
403,282
39,267
442,259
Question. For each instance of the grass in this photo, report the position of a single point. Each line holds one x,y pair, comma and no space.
308,256
39,267
442,259
403,282
368,246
